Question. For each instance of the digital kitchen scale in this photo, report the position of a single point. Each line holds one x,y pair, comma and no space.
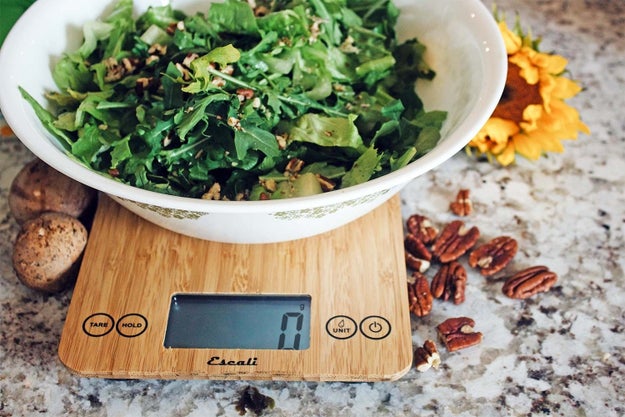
151,303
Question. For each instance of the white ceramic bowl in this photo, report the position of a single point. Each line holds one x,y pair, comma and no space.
464,48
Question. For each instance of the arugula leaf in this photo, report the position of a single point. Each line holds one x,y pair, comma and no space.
121,152
290,23
252,137
327,131
47,119
159,16
363,168
123,25
233,17
89,144
94,32
201,67
187,120
72,73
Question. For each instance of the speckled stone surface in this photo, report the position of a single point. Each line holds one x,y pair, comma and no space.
559,354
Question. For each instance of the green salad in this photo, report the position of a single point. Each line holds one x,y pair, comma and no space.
250,100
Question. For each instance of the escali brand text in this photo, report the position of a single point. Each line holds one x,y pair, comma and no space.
217,360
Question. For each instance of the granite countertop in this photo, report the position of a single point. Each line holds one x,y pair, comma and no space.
561,353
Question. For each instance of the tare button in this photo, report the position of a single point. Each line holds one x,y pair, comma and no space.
98,325
375,327
341,327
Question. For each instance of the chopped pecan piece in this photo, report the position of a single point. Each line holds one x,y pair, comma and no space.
417,256
422,228
529,282
427,356
245,94
189,59
326,183
493,256
450,282
294,166
463,205
150,84
130,64
419,295
457,333
213,193
454,241
114,71
158,49
261,11
186,74
171,28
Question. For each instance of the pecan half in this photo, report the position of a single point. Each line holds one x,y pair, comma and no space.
419,295
421,227
529,282
454,241
457,333
449,283
427,356
463,205
493,256
417,256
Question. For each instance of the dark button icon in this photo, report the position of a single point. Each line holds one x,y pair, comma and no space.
98,325
341,327
132,325
375,327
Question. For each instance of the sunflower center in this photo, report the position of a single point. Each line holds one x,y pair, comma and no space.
517,95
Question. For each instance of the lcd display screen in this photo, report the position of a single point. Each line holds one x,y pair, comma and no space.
222,321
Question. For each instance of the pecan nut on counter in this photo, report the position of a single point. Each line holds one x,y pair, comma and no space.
417,256
454,241
494,255
422,228
449,283
427,356
419,296
462,206
457,333
529,282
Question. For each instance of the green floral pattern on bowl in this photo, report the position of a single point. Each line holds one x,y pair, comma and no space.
310,213
168,213
320,212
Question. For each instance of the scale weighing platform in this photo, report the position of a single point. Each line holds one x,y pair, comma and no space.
151,303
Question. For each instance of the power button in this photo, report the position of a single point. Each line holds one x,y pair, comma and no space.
375,327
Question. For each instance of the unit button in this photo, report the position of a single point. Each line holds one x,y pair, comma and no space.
132,325
98,325
375,327
341,327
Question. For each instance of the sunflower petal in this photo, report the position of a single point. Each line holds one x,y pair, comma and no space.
526,146
565,88
506,157
553,64
511,40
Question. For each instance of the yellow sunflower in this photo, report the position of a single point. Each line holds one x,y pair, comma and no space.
531,117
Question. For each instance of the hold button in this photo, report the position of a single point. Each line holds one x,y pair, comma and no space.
132,325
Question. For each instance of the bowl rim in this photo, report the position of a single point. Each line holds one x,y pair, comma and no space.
494,69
